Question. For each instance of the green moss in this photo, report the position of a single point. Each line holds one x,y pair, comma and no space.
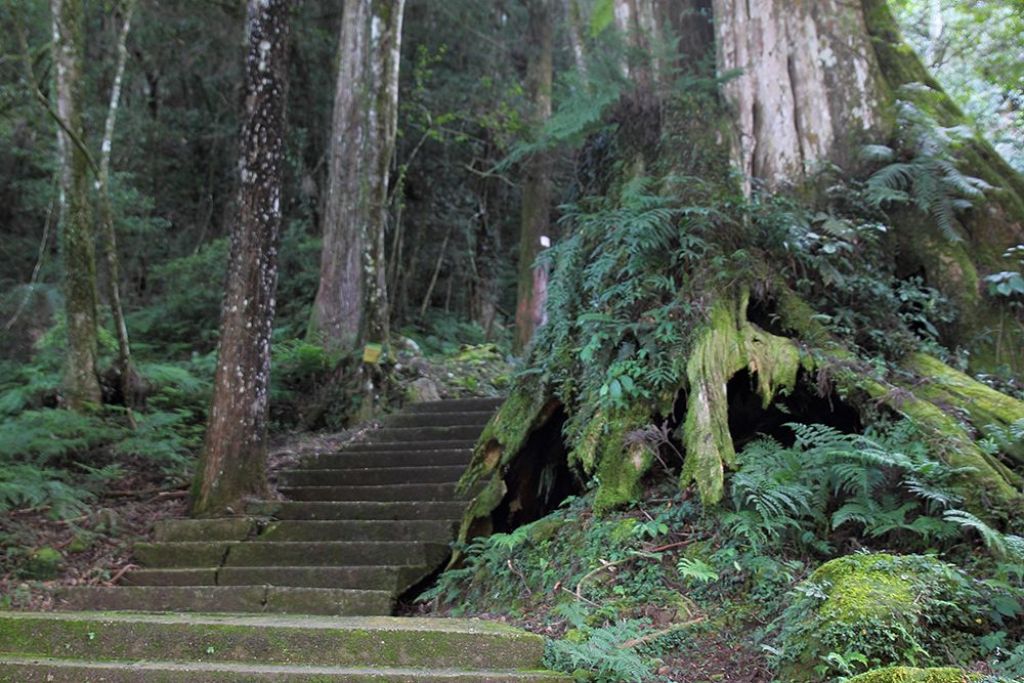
903,674
43,564
728,345
889,609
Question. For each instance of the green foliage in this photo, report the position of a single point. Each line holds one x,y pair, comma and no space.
885,485
922,171
867,610
597,654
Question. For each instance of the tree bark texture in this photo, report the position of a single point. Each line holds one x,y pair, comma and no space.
351,305
535,218
233,462
78,252
808,89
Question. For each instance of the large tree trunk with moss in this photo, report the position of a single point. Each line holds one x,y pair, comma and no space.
684,283
82,387
351,305
233,462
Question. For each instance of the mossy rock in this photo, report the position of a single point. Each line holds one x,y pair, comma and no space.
903,674
880,610
43,565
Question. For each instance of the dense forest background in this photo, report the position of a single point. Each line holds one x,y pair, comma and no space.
504,107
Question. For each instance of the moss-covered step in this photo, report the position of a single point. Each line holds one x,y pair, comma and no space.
336,553
220,529
428,419
239,599
182,554
465,405
190,576
27,670
333,510
391,578
904,674
425,434
369,642
308,476
378,445
392,492
442,531
410,457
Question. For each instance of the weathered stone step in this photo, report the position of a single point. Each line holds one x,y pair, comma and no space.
337,553
359,510
401,458
360,530
271,639
279,553
369,476
379,445
426,434
251,599
430,419
392,492
368,577
38,670
468,405
219,529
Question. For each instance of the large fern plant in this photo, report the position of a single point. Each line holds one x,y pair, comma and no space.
920,171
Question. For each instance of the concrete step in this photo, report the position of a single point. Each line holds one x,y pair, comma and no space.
441,531
381,445
468,405
39,670
278,553
335,553
219,529
456,432
430,419
393,492
369,476
376,642
401,458
368,577
250,599
359,510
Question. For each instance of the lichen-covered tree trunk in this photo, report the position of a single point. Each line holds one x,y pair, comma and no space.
351,305
798,89
78,252
233,461
535,216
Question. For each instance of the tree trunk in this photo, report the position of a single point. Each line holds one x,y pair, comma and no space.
82,387
125,369
535,217
576,25
233,462
668,296
351,305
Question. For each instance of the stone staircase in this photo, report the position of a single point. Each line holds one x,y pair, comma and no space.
358,529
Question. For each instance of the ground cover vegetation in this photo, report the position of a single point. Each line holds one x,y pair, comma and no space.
771,424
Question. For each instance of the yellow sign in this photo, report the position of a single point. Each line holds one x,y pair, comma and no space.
372,353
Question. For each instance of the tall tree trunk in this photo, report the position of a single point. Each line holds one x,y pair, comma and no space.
535,218
82,386
126,371
576,24
233,462
351,305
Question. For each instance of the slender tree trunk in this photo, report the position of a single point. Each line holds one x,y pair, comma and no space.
126,371
233,462
576,24
535,217
82,386
351,305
